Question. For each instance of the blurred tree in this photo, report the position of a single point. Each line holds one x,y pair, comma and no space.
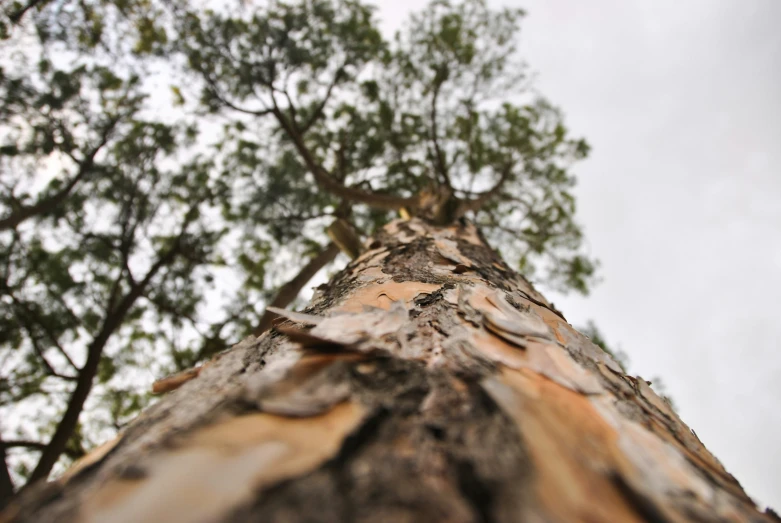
104,234
441,115
427,380
123,202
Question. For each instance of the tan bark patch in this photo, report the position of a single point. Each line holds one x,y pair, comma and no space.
220,465
468,234
551,319
382,295
174,381
416,229
371,257
573,449
698,456
546,359
448,249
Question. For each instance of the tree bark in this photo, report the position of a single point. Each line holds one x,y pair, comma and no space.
288,292
426,382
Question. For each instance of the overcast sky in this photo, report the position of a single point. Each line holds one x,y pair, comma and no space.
681,200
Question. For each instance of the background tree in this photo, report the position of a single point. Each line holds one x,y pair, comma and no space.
379,123
103,233
123,206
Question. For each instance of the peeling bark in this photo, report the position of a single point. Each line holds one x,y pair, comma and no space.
288,292
426,382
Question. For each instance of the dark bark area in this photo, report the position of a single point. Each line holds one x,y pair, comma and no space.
426,382
467,459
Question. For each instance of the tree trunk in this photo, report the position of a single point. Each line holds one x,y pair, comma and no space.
426,382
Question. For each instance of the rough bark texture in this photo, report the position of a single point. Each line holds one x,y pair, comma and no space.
426,382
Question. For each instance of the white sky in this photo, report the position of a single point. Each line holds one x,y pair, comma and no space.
681,200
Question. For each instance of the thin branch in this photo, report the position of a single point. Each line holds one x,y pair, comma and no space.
165,307
228,103
288,292
39,352
56,342
213,343
128,233
25,320
17,16
319,110
485,197
322,177
113,320
6,483
36,446
330,184
47,205
440,158
456,156
292,109
9,258
53,339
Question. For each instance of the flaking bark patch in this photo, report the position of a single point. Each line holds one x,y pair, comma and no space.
428,454
413,262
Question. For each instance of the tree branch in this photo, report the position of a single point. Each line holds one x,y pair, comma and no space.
330,184
213,342
56,342
47,205
113,320
288,292
440,158
126,242
228,103
319,110
34,445
292,109
25,320
17,16
37,446
485,197
322,177
49,368
6,483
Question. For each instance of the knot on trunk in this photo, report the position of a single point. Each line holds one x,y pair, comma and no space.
436,204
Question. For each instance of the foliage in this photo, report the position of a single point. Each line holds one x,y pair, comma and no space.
150,149
445,104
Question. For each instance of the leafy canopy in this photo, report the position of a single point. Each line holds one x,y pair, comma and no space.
164,168
445,106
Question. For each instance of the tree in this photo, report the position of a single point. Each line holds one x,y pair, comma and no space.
427,381
389,125
116,221
327,125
